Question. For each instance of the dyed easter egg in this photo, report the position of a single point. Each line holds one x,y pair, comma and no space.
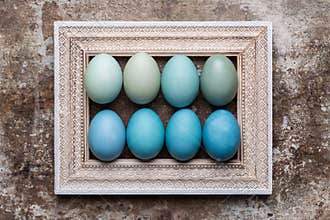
141,78
183,135
103,79
106,135
219,80
145,134
180,81
221,135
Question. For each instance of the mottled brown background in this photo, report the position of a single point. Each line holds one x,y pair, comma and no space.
301,106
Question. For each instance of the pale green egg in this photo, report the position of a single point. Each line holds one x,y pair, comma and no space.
141,78
219,80
103,79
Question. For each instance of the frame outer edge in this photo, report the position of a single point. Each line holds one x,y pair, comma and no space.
101,23
270,108
56,109
168,192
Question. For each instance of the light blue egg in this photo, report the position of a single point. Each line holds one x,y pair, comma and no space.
221,135
183,135
180,81
103,79
145,134
106,135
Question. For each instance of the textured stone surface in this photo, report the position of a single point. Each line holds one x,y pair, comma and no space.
301,105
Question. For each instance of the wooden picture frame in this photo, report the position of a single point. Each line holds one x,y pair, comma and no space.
76,173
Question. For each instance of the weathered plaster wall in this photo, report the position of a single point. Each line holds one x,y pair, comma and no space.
301,105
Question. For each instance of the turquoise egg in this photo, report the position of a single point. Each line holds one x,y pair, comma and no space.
180,81
221,135
219,80
183,135
145,134
103,79
106,135
141,78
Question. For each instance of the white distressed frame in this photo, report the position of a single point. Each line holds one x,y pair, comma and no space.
79,185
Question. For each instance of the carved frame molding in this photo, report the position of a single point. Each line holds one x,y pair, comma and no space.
251,42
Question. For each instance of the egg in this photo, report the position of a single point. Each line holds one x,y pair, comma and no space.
145,134
221,135
219,80
183,135
141,78
106,135
103,79
180,81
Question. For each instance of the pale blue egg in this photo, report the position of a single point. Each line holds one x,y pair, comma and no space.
183,135
221,135
106,135
103,79
145,134
180,81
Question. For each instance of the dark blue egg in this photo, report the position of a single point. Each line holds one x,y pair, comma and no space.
145,134
221,135
106,135
183,135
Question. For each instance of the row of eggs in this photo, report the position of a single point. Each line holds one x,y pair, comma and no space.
145,135
179,81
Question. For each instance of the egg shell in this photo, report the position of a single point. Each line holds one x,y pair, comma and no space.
221,135
219,80
145,134
106,135
180,81
103,79
183,135
141,78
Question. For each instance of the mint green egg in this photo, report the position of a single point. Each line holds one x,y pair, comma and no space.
141,78
219,80
103,79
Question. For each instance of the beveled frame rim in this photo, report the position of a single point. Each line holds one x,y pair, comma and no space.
232,162
57,25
